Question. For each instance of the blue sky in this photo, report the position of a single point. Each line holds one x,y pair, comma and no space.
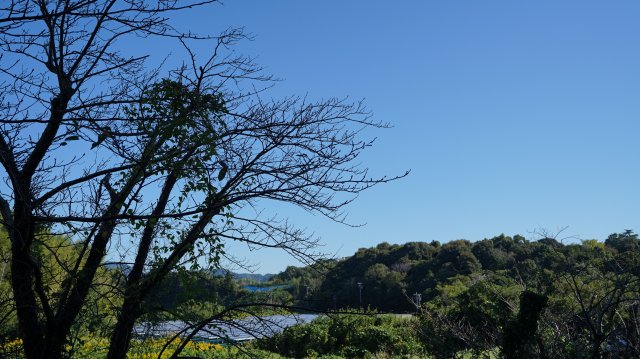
512,116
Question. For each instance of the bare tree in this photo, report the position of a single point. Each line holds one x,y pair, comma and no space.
606,301
600,316
447,336
153,165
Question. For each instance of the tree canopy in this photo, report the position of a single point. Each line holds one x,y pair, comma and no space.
521,298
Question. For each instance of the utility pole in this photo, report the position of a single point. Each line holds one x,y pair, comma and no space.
360,285
417,298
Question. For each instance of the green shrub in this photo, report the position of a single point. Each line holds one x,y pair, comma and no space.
351,336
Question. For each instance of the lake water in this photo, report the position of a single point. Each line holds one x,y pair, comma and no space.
235,330
255,288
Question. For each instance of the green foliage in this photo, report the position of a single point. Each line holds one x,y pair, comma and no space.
384,272
623,242
8,319
303,282
92,347
178,128
56,257
474,295
191,296
350,336
502,295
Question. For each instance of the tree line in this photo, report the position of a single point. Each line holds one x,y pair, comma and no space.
524,298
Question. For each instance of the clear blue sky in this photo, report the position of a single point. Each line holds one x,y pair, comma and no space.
512,115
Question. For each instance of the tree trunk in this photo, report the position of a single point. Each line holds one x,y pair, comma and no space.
121,337
22,282
597,345
26,304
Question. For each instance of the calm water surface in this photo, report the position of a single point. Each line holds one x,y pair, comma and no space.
236,330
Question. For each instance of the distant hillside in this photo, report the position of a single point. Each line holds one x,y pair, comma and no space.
253,277
392,277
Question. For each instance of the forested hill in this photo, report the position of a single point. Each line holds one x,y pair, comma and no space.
501,267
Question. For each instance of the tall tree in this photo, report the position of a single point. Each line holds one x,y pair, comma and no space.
127,159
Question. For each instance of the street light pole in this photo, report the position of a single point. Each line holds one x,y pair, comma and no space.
360,285
417,298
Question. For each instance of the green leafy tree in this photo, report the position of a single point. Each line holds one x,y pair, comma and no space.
623,242
455,258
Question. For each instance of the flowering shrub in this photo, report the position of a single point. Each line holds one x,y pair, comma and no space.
97,347
11,349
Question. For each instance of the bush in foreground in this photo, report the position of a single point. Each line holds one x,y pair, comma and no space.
351,336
